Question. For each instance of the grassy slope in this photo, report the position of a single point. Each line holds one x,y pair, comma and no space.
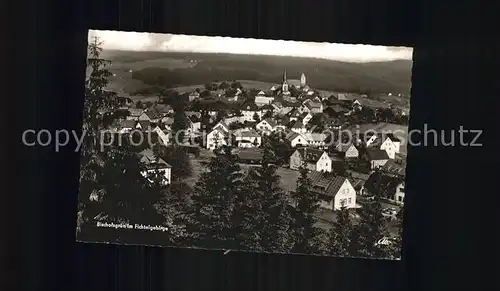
328,75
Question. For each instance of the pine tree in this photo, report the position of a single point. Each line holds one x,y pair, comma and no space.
269,208
371,228
341,234
306,203
214,200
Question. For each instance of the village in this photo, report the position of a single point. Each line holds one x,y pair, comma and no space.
352,144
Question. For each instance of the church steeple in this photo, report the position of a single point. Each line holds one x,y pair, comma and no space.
284,87
284,76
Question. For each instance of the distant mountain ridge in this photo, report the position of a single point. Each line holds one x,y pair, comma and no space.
377,77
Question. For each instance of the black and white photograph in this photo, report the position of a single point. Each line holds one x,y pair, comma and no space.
250,145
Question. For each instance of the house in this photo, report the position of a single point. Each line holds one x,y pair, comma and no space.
193,96
376,157
296,139
249,110
125,101
125,126
315,139
167,122
134,113
358,180
335,110
334,191
348,149
222,125
400,193
192,127
143,124
163,109
298,127
163,135
391,144
250,156
261,100
151,115
312,159
216,138
247,138
294,114
311,106
384,186
395,167
267,125
152,164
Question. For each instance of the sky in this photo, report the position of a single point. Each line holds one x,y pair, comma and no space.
141,41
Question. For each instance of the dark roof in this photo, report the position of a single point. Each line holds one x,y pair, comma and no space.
327,184
144,123
312,104
298,124
392,137
310,155
153,113
375,154
336,108
396,167
271,122
290,104
250,154
291,135
382,185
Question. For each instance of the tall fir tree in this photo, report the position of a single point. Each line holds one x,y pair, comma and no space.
371,228
306,204
270,211
341,234
214,198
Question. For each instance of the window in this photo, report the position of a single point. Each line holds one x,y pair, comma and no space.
343,202
400,198
349,200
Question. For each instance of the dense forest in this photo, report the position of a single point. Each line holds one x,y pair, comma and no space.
375,77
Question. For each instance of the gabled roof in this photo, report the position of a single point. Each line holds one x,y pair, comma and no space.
246,133
144,123
392,137
291,104
250,107
148,157
310,104
292,135
128,123
153,113
343,146
270,121
315,137
310,155
375,154
381,184
135,111
298,124
224,125
327,184
396,167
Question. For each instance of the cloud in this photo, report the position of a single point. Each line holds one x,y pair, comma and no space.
203,44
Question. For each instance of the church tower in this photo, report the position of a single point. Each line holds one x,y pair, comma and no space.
302,80
285,84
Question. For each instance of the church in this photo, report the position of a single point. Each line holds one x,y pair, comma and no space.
284,89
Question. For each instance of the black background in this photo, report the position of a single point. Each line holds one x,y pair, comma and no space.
450,213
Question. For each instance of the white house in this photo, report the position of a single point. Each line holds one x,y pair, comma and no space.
151,115
249,111
267,125
247,138
349,150
216,138
334,191
153,164
315,139
377,157
162,135
296,139
400,193
312,159
261,100
306,118
391,145
193,96
311,106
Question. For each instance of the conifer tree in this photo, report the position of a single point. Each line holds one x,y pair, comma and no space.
306,203
214,197
341,234
371,228
270,210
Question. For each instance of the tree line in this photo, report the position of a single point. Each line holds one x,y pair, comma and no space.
226,209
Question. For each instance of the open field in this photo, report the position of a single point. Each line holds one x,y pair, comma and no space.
186,69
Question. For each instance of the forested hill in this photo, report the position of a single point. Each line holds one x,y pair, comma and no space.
166,69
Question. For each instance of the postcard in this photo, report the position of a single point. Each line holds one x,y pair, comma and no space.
247,145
